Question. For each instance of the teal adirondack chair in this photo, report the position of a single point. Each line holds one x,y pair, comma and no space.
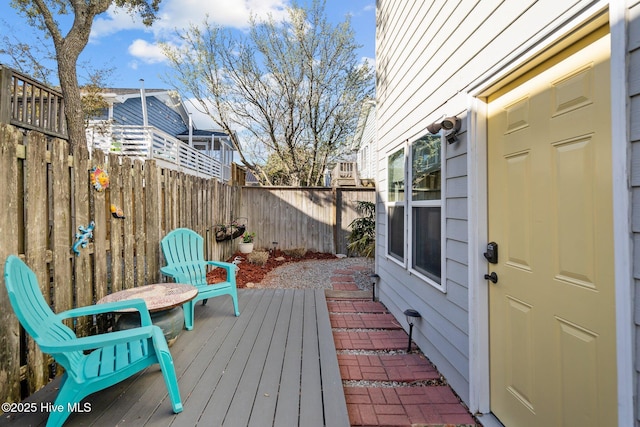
114,357
184,252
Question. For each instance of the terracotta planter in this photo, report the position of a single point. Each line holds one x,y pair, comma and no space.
245,248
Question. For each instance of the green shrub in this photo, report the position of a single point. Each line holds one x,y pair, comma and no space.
258,257
362,239
295,252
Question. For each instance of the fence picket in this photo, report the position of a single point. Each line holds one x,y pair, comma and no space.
60,220
83,266
127,223
138,216
36,236
10,348
99,232
152,219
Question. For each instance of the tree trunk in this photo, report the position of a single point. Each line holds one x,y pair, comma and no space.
72,100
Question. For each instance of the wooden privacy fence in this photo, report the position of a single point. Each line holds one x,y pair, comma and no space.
315,218
46,194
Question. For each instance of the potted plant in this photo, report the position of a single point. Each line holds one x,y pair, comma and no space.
246,246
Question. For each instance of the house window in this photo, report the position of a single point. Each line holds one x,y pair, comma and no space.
396,227
425,204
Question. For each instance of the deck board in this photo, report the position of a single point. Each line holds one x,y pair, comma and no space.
287,409
268,387
275,365
311,383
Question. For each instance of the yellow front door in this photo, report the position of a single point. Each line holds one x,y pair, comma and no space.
552,311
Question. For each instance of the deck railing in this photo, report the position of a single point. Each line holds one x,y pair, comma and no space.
31,105
148,142
345,173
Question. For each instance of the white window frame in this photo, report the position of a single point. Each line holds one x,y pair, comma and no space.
403,203
441,203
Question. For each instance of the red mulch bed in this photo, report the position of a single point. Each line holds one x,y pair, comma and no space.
255,273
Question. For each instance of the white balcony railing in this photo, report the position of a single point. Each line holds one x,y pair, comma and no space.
151,143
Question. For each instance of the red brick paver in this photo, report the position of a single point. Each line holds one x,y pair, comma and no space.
343,280
345,286
376,367
357,306
377,340
364,321
404,406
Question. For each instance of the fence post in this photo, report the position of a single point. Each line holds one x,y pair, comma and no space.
5,95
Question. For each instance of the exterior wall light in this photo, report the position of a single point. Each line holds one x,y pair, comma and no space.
451,126
411,315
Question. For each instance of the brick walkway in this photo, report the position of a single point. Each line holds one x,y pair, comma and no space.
383,384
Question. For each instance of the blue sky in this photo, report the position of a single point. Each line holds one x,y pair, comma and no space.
118,40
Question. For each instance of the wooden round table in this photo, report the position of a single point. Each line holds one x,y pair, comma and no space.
163,300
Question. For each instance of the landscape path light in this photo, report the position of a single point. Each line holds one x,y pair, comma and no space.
374,281
411,315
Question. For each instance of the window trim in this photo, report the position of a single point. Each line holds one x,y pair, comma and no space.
403,263
441,203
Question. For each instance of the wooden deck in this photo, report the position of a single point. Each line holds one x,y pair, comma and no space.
275,365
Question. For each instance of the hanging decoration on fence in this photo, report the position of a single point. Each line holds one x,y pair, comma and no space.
82,238
229,231
117,212
99,178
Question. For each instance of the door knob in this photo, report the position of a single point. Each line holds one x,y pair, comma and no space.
493,277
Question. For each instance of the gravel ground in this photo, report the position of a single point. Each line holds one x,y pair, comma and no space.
316,274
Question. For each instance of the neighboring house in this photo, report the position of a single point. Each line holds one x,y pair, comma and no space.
359,167
163,130
164,109
545,164
364,143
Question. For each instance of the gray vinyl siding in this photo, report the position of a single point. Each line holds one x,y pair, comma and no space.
429,55
159,115
634,93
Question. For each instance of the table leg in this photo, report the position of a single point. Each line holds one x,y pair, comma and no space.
170,321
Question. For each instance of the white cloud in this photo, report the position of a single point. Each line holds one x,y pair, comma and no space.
182,13
200,119
150,53
369,7
230,13
116,20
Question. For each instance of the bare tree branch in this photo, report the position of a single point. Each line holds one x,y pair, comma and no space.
292,89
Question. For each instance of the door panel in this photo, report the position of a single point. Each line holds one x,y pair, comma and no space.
552,312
